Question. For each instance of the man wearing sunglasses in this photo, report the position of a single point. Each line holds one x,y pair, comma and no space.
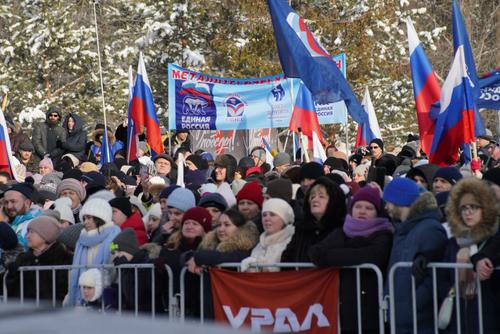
49,136
379,159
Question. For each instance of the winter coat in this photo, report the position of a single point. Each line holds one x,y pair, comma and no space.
270,247
56,254
337,249
148,253
135,222
77,138
39,139
485,236
33,163
176,260
306,235
237,247
17,137
420,233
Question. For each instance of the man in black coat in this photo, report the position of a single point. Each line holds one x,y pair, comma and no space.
48,137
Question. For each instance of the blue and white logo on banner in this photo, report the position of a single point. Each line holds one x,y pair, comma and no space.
202,102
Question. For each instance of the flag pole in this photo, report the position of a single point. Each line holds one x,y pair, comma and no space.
291,113
100,76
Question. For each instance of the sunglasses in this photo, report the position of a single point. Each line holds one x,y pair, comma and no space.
54,115
373,147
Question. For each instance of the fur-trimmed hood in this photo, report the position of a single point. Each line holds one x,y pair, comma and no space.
245,238
423,204
486,198
153,250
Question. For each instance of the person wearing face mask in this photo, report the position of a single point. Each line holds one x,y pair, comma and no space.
474,224
324,210
366,237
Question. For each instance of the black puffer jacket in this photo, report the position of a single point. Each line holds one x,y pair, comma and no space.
76,138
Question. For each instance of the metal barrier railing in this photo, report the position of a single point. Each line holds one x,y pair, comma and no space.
435,303
102,267
380,296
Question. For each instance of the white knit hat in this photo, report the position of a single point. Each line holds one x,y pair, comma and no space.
281,208
92,278
97,207
63,206
154,211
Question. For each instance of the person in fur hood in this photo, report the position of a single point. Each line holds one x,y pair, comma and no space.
418,237
473,220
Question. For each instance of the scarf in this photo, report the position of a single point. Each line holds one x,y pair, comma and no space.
20,225
365,227
103,239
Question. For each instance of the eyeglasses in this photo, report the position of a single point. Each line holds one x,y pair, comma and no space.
373,147
470,208
54,115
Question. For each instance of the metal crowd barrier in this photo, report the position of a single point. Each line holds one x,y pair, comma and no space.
380,295
102,267
435,302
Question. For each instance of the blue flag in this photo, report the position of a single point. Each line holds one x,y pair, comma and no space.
106,153
302,56
460,39
490,90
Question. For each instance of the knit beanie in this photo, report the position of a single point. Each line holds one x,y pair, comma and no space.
379,142
336,163
52,178
246,162
122,204
236,185
401,191
70,235
154,211
97,207
94,178
63,206
311,170
73,173
280,188
87,166
198,161
165,193
213,200
369,194
74,185
26,189
282,158
356,158
125,241
135,201
253,170
281,208
251,191
46,162
207,156
200,215
450,174
182,199
46,227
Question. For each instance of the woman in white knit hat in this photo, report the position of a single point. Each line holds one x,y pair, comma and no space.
92,247
277,221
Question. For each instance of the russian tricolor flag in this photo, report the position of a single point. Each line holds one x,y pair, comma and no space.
455,122
143,112
368,130
304,115
132,135
425,88
6,163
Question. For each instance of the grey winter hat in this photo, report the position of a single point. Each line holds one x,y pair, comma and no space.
281,159
126,241
69,236
182,199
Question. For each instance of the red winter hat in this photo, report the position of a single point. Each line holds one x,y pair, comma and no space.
200,215
251,191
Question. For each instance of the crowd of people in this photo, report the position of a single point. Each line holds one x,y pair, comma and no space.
380,205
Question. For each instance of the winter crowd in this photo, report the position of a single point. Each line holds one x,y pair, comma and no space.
380,205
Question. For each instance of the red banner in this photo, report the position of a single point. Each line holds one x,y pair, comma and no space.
302,301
